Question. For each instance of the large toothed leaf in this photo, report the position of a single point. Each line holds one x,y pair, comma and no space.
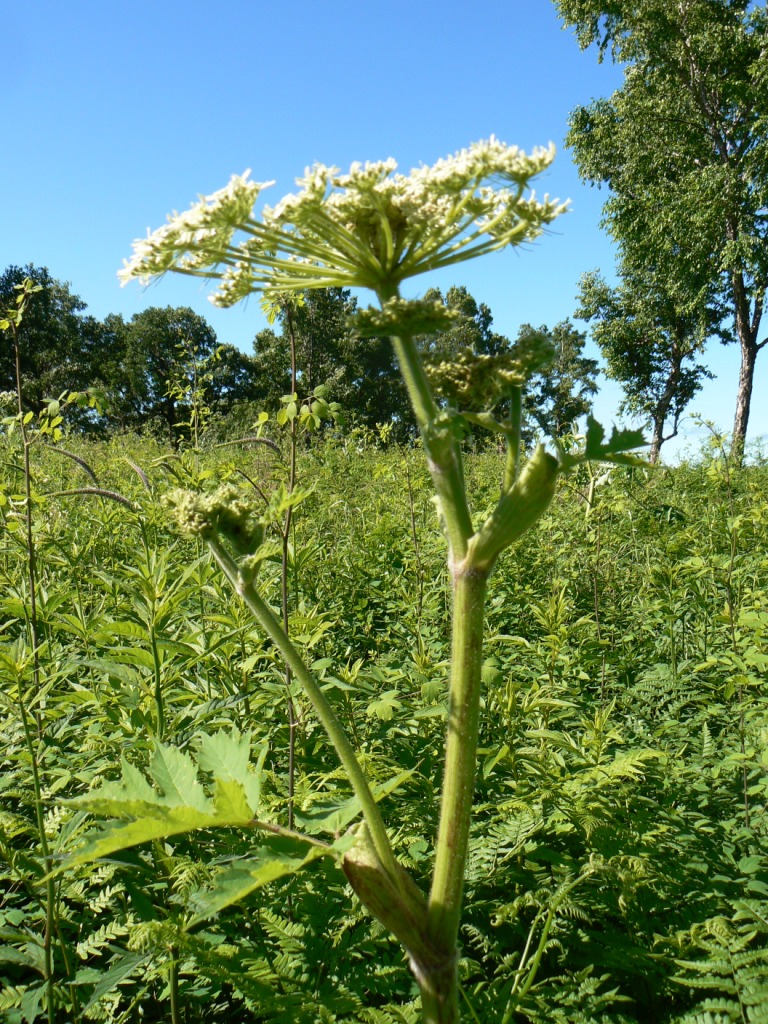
177,802
176,776
231,800
614,449
227,756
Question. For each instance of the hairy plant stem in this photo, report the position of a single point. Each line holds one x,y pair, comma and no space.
441,446
512,464
438,979
285,538
439,990
244,586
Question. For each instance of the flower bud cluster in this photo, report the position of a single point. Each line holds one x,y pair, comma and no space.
473,380
410,316
224,512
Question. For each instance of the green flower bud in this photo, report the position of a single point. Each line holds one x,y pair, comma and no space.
523,504
406,316
224,512
473,380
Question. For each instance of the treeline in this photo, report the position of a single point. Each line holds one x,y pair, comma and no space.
682,147
165,367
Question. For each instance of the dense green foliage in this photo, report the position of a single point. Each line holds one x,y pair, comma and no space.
618,868
682,146
651,344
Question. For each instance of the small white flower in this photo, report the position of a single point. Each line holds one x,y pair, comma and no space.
371,227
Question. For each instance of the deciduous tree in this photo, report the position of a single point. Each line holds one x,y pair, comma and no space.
360,373
150,363
683,145
561,393
651,347
59,347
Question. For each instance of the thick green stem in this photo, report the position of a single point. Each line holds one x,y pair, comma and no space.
442,449
441,1000
443,455
285,539
512,466
272,627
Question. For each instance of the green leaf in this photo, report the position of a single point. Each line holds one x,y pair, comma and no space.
596,449
334,816
276,857
176,776
227,756
117,973
177,802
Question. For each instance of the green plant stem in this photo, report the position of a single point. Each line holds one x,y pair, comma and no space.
244,586
443,456
173,985
441,1004
50,892
158,681
531,971
442,449
512,465
285,538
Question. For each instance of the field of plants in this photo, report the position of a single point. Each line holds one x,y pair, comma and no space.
618,859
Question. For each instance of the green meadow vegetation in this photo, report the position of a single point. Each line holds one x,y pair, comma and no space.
618,865
444,706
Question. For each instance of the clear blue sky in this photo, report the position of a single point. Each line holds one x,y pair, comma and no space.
117,114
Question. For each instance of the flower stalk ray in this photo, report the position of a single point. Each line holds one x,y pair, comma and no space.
371,227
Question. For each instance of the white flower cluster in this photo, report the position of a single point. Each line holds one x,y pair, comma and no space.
199,238
371,227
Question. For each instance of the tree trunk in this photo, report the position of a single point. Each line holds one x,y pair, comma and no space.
657,439
660,413
747,325
743,398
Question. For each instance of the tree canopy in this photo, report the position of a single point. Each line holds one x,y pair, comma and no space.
561,393
360,373
651,348
683,145
59,346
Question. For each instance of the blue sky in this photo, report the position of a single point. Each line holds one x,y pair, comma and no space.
117,114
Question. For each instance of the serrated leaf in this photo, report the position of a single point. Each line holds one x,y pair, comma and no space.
225,755
177,803
231,800
276,857
595,447
176,775
157,823
131,794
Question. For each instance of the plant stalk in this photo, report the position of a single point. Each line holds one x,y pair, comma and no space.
245,587
439,989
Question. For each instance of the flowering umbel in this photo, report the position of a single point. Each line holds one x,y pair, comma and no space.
371,227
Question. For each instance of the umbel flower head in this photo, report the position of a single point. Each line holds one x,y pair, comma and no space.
371,227
474,380
224,512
